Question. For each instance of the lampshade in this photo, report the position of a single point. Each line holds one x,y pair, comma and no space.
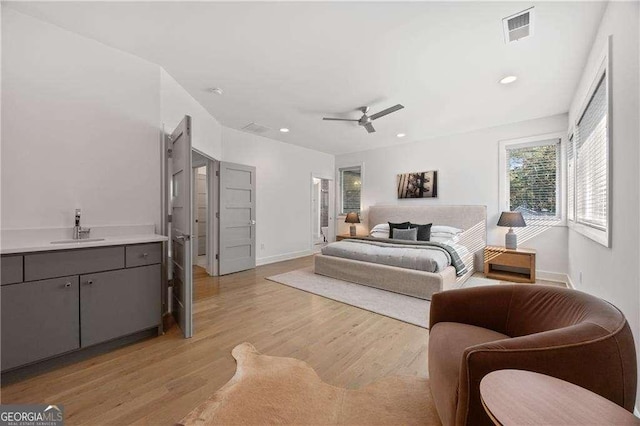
352,217
511,220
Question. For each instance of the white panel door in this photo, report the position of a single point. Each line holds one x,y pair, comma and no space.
237,218
181,225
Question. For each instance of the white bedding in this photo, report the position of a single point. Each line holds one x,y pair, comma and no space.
404,254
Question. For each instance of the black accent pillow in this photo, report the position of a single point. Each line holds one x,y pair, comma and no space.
424,231
392,226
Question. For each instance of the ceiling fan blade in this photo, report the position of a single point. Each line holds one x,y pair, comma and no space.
369,127
386,111
339,119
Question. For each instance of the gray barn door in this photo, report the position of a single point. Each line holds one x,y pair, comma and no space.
181,225
237,218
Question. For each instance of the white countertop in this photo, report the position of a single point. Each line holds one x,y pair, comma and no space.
35,240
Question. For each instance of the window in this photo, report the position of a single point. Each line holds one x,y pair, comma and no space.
532,177
350,189
589,152
571,180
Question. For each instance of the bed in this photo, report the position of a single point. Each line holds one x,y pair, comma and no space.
411,275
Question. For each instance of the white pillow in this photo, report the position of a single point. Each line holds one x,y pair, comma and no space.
435,229
379,234
444,240
380,231
447,236
381,227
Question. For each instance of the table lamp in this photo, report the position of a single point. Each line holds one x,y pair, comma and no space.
352,217
512,220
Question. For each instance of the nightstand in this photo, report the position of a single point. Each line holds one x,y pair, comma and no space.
343,236
517,265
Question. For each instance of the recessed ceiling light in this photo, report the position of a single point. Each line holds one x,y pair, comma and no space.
401,135
508,79
284,130
216,90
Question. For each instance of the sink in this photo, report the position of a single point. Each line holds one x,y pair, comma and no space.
86,240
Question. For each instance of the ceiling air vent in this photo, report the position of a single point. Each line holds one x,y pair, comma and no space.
518,26
255,128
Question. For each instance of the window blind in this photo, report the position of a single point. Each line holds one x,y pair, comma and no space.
533,179
591,162
571,179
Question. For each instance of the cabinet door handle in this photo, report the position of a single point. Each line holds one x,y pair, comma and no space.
89,282
145,255
67,285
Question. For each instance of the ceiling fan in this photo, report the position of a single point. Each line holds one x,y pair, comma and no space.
366,120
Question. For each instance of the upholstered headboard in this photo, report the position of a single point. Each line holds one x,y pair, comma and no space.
464,217
473,219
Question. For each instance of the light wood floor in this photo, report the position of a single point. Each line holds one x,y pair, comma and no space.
159,380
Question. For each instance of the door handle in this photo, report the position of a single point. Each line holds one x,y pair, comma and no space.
183,237
252,222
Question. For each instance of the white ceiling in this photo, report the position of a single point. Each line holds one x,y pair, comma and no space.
285,64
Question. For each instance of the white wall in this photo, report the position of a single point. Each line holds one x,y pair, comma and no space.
467,167
206,135
82,125
80,129
612,273
283,195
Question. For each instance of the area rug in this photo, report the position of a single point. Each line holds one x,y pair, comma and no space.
274,390
398,306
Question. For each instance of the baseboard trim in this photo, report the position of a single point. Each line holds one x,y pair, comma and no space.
555,277
282,257
46,365
570,282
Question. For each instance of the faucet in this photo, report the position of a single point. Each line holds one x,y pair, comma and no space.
80,233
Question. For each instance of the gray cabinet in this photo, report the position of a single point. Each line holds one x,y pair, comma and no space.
40,266
117,303
11,269
40,319
61,301
143,254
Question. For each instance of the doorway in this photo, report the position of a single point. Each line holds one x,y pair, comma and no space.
200,214
321,208
205,208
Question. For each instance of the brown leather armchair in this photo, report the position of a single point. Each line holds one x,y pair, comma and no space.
550,330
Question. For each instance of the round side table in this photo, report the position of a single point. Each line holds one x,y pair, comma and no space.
517,397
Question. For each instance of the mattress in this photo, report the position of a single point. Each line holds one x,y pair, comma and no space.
420,256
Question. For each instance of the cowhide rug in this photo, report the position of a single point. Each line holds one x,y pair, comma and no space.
274,390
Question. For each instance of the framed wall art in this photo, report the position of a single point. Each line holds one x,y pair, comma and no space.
418,185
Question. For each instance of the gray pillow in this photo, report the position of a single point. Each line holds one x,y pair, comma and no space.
405,234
